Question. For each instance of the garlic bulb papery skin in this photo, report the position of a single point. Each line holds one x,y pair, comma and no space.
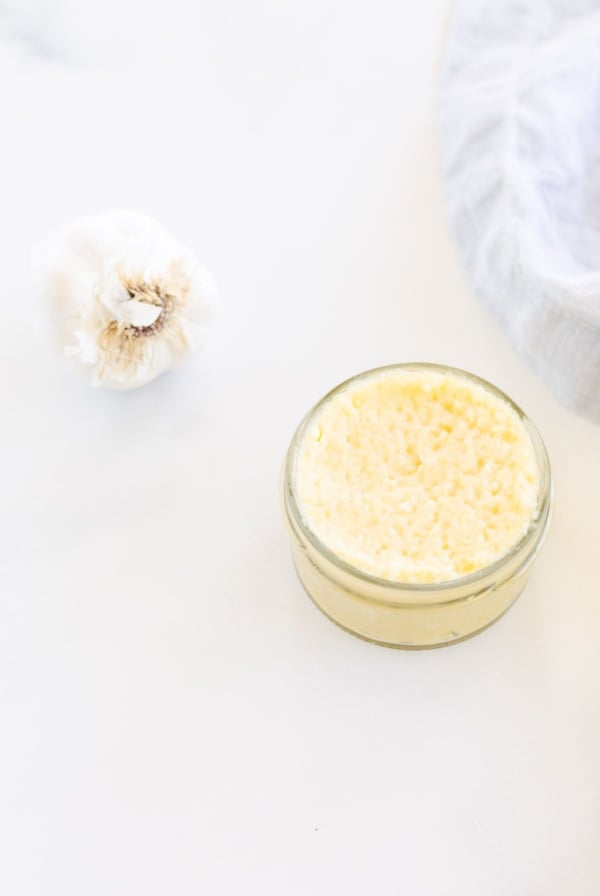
129,300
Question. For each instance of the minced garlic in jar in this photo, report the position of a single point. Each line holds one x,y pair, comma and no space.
417,475
417,499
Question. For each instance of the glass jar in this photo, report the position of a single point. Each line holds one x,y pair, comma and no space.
398,614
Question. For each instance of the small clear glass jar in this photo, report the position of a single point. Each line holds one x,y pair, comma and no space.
398,614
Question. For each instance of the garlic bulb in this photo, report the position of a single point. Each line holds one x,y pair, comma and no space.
127,297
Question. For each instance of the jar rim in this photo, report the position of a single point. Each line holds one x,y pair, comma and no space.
532,538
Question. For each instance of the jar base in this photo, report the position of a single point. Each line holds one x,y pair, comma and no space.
407,645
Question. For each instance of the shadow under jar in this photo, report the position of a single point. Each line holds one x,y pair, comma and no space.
383,608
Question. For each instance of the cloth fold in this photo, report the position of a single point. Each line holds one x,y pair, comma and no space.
520,143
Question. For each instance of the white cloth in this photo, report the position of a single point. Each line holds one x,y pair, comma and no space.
520,137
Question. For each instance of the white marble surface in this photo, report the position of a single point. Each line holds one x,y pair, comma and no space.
177,716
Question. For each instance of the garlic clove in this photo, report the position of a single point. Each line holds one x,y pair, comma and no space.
138,314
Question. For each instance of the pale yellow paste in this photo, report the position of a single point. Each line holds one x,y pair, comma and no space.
417,475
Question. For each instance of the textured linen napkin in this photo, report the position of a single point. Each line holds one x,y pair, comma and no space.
520,140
